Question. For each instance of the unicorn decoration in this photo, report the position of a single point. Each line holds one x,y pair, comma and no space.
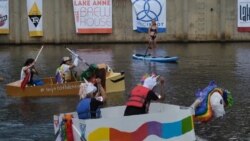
211,102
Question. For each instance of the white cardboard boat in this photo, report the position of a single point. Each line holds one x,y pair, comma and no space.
163,122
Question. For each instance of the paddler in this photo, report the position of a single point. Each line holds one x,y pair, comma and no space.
27,72
141,95
91,99
63,73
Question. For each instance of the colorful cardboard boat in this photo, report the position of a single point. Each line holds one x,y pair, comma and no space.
166,59
163,122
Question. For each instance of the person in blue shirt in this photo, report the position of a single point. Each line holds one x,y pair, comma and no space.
91,99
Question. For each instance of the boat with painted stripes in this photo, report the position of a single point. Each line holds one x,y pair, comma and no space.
163,122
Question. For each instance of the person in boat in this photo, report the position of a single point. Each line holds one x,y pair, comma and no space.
27,72
91,99
64,73
96,71
152,32
141,95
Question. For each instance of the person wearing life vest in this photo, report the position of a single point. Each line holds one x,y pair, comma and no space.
91,99
63,73
141,95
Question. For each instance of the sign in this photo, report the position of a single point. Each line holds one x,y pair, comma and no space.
244,15
144,11
4,16
93,16
35,19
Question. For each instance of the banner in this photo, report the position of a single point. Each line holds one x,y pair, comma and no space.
144,11
35,19
93,16
4,16
244,15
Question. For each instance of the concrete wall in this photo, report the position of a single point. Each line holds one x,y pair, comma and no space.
187,20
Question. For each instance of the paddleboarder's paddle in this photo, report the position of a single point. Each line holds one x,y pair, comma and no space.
146,52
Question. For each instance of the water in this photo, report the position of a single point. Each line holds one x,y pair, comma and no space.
30,119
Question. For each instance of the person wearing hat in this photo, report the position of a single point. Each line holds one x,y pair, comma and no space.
141,95
63,73
91,99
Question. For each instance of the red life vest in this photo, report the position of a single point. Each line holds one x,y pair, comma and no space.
138,96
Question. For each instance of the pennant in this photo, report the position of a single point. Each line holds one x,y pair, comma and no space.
34,8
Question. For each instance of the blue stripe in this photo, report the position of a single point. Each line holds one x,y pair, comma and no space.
145,30
170,130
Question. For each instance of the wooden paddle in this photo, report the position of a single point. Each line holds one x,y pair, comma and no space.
39,53
76,55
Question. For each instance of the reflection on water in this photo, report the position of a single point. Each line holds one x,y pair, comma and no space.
227,64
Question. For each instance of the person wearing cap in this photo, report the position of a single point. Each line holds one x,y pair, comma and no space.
63,73
141,95
91,99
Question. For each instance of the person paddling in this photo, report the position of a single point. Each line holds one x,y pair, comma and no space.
91,99
27,72
63,73
141,95
152,32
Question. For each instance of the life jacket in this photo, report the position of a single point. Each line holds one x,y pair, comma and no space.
204,111
83,109
138,96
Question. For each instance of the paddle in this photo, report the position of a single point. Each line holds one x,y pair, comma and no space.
146,52
73,53
39,53
149,43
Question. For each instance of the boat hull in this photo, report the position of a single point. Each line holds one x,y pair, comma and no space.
156,59
114,83
163,122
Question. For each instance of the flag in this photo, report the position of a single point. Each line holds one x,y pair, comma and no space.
35,19
144,11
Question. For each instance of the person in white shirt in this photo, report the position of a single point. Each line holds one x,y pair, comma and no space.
63,73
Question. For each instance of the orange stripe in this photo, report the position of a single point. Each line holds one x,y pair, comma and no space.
94,30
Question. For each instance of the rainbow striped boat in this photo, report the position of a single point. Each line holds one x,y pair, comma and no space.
163,122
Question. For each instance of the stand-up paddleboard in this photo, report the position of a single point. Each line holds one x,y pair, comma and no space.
166,59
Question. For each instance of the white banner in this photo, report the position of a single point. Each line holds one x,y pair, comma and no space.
35,19
4,16
93,16
244,15
144,11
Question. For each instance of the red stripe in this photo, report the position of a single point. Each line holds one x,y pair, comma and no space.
25,81
94,30
244,29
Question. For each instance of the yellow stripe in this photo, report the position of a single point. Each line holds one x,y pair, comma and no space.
4,31
36,33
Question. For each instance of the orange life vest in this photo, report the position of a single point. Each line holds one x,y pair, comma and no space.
138,96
